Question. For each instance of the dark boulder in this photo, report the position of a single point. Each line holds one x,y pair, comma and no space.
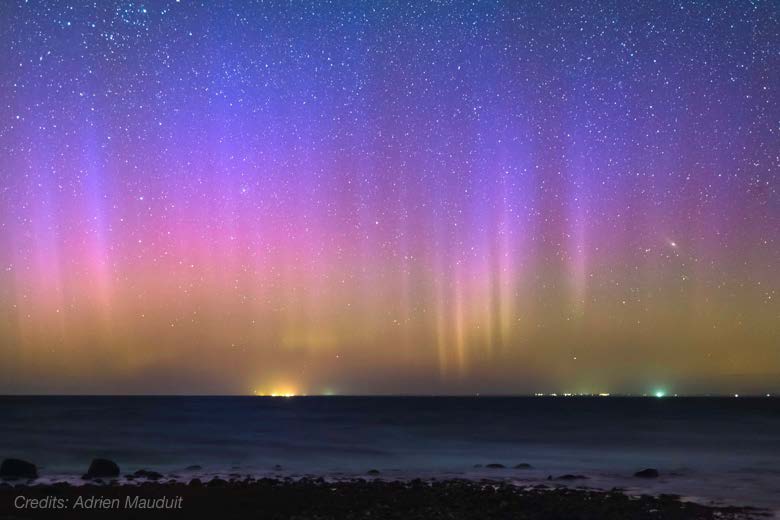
523,465
373,472
196,482
647,473
495,466
101,468
16,468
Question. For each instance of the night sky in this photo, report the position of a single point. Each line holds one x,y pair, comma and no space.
376,197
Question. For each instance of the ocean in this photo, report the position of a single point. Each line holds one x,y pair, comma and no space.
712,450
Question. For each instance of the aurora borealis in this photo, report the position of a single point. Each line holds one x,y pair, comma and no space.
374,197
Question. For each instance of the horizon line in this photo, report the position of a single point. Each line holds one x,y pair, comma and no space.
762,395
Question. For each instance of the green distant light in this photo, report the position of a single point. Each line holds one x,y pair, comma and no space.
660,394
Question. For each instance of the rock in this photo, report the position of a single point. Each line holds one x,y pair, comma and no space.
151,475
495,466
194,467
16,468
100,468
523,465
373,472
569,476
196,482
217,482
647,473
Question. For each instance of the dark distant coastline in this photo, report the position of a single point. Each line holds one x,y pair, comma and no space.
320,499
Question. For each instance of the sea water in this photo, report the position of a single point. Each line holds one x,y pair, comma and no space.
713,450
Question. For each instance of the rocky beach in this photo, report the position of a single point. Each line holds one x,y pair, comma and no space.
317,498
105,492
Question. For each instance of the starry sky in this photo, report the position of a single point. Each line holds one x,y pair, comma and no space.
389,197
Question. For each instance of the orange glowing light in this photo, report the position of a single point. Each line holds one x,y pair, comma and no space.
284,391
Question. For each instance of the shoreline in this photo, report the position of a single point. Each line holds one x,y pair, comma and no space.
646,483
310,498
